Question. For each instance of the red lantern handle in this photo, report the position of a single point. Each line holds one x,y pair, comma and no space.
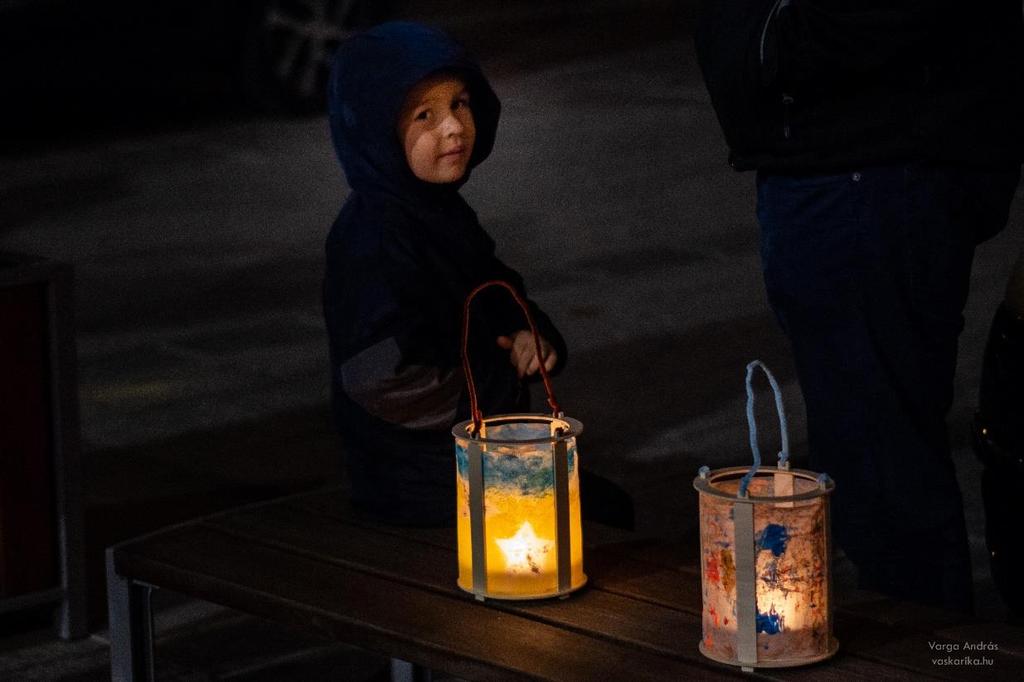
474,406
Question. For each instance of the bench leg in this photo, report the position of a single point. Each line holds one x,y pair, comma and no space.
131,627
404,671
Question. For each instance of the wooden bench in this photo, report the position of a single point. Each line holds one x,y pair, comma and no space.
307,561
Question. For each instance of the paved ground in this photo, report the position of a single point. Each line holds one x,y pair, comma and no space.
202,354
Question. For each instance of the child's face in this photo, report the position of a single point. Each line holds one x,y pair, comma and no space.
437,130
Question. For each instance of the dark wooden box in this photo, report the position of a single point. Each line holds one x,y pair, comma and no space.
40,477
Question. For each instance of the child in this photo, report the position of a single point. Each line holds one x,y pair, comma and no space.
411,114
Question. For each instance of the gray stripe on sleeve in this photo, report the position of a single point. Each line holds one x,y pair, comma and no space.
417,397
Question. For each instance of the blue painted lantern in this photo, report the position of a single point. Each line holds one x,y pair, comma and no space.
518,493
765,558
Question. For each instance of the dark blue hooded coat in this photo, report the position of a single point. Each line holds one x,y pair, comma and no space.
401,258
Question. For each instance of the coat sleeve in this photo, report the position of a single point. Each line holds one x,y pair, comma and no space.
392,353
513,319
413,396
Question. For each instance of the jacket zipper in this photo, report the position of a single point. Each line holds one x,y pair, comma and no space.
779,4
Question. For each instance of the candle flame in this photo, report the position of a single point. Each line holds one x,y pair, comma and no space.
524,551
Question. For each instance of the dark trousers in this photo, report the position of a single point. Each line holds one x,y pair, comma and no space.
868,274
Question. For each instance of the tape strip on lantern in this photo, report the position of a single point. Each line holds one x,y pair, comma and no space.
519,530
766,558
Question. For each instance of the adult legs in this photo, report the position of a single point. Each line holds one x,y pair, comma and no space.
868,274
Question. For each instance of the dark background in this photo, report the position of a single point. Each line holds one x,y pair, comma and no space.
193,208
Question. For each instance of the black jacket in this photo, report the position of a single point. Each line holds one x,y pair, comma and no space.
400,259
822,85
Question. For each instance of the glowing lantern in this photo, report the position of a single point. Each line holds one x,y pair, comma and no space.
519,530
765,555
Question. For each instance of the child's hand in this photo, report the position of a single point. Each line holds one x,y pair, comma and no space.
523,353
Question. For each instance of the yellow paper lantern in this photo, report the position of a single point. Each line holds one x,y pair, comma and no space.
765,558
518,496
519,507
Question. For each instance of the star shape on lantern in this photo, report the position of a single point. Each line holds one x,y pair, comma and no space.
524,551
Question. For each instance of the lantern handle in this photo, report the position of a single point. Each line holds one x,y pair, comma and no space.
474,406
752,425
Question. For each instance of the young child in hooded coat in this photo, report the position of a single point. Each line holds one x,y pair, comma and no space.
411,114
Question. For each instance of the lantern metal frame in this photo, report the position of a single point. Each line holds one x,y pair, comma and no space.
705,480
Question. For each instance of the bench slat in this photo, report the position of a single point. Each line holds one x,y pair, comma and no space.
642,604
619,604
449,633
593,612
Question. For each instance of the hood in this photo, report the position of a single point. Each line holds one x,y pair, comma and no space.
371,75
